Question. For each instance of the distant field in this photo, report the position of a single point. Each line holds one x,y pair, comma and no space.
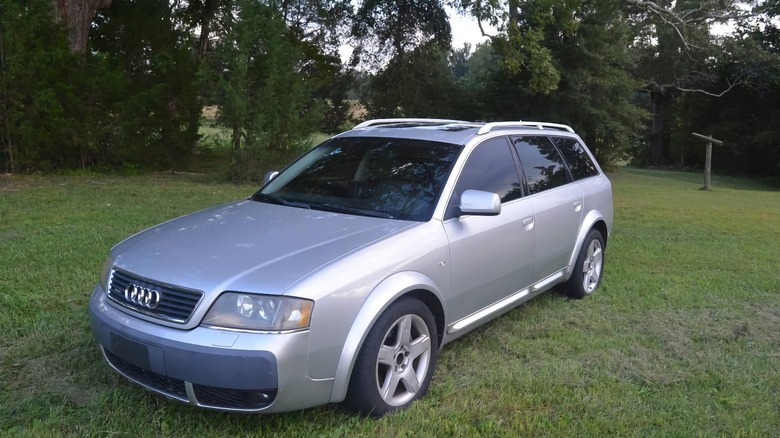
214,148
683,338
214,136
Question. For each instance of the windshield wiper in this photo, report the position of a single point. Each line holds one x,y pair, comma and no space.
351,210
276,199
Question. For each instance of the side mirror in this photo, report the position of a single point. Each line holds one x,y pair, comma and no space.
479,203
269,176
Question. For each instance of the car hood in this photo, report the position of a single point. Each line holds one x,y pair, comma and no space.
247,246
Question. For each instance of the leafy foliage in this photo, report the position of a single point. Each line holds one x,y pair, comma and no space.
259,86
44,122
586,43
154,99
413,85
747,118
388,28
634,77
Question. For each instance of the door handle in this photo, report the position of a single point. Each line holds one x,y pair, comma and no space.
577,205
528,223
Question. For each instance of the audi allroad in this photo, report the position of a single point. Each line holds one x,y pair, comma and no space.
341,279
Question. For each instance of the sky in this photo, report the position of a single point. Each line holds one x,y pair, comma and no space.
466,30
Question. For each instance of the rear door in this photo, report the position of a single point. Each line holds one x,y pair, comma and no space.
557,203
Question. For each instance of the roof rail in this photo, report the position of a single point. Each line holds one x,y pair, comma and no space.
487,127
374,122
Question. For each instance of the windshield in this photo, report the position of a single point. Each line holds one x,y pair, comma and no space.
368,176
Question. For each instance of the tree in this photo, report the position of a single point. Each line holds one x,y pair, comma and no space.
260,84
748,116
388,28
678,57
561,61
596,91
77,16
673,43
150,99
334,92
42,123
520,41
417,84
406,43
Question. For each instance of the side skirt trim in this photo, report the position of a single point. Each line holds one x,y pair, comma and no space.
498,306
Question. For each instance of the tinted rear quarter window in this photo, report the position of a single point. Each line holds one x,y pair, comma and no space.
580,163
541,163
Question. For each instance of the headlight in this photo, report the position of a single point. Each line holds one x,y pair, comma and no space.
259,312
106,273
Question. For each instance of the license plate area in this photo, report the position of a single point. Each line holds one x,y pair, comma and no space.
134,352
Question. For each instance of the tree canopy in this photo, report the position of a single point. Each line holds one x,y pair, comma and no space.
104,84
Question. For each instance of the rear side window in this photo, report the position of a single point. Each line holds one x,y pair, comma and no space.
580,164
541,162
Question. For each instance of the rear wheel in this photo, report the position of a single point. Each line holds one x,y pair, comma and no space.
588,268
395,364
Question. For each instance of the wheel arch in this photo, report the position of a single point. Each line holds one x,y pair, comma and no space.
601,226
390,290
593,220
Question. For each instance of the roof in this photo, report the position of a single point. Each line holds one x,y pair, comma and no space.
444,130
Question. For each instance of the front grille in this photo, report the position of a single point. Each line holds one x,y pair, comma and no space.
176,303
233,398
169,386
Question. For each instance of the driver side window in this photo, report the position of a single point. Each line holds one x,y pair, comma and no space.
490,168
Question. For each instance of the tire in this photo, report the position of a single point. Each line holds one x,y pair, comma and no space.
396,362
588,268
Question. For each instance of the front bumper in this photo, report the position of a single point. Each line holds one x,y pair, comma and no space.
208,367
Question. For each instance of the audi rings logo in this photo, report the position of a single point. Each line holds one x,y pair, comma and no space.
142,296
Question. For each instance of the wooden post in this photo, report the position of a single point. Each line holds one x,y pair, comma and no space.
708,166
708,158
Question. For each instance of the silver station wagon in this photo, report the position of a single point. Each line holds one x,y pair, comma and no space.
341,279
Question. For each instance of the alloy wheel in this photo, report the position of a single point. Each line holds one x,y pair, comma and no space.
403,360
591,269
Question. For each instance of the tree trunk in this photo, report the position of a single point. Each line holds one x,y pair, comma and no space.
236,136
77,16
514,13
657,147
9,145
659,103
207,15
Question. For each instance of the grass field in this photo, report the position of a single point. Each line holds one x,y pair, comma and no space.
682,339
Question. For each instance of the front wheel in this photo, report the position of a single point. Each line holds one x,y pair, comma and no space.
588,268
395,364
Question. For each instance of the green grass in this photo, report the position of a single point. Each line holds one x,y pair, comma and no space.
682,339
213,136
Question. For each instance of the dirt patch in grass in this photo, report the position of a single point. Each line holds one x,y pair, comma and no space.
765,324
644,367
47,376
678,345
38,365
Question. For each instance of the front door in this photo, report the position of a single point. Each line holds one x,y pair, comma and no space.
491,256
